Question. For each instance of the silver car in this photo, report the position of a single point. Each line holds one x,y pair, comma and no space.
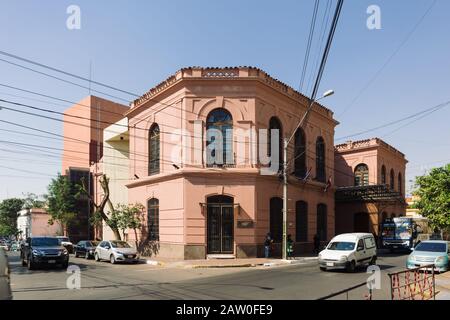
116,251
5,287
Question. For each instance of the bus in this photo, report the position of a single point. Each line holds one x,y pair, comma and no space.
400,233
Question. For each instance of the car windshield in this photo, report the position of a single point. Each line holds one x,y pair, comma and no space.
431,247
44,242
120,244
341,246
92,243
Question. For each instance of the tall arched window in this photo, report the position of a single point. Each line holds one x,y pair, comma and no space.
276,219
275,124
361,175
322,221
219,138
392,180
383,175
300,153
301,221
153,219
153,150
320,160
400,183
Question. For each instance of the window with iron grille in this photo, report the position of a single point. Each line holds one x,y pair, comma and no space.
301,221
322,221
153,219
320,160
362,175
383,175
153,150
400,183
275,124
219,138
276,219
300,154
392,184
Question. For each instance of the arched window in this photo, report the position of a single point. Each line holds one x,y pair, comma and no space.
361,175
320,160
322,221
275,124
276,219
300,153
392,180
301,221
383,175
219,138
400,183
153,219
153,150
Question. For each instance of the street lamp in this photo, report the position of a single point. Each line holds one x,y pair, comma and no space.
285,169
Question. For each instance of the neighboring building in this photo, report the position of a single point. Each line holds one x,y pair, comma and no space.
116,167
84,123
34,222
198,205
370,180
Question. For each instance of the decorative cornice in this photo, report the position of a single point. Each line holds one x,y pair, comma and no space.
226,73
364,144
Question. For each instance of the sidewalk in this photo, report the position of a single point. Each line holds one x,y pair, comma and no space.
226,263
443,286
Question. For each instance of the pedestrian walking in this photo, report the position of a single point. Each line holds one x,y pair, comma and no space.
290,247
267,245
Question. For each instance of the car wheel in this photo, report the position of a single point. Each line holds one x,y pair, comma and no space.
65,265
112,259
96,257
373,261
30,264
351,267
323,269
86,256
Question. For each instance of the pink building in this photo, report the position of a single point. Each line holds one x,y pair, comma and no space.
34,222
198,206
370,176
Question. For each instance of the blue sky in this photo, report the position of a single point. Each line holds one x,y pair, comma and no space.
134,45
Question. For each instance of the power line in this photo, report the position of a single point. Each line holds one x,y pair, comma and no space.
66,73
308,46
388,61
62,80
426,111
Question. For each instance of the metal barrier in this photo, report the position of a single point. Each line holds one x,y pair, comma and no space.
346,292
409,284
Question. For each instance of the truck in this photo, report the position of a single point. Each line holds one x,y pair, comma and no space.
400,233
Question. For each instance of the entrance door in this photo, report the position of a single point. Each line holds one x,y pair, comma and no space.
220,225
361,222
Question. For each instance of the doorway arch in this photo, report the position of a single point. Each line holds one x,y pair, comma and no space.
220,224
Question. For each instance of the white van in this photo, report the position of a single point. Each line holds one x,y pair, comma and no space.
347,251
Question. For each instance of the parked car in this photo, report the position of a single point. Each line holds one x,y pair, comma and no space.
85,248
66,243
38,251
430,252
116,251
5,281
348,251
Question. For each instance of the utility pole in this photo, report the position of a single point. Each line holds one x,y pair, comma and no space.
304,120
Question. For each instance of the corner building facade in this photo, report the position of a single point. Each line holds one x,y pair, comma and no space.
198,206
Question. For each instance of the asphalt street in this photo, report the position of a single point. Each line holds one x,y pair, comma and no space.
103,281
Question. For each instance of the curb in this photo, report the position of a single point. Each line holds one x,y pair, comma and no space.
154,263
247,265
289,262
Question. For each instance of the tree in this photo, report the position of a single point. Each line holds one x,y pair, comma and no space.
99,213
433,191
32,200
9,209
61,201
130,217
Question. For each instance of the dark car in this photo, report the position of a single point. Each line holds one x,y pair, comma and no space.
85,248
37,251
